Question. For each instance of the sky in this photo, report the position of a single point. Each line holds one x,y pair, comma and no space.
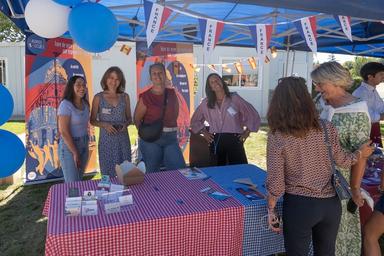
324,57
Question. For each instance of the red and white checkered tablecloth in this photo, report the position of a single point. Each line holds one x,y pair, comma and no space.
157,223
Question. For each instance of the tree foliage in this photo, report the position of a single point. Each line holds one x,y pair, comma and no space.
9,32
355,66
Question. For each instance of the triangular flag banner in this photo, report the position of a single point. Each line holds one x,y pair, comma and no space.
252,62
212,67
125,49
239,67
261,35
307,29
210,31
155,17
345,24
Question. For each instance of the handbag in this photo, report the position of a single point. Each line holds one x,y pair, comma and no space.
151,132
340,184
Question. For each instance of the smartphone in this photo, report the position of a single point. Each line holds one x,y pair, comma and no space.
118,127
351,206
73,192
249,194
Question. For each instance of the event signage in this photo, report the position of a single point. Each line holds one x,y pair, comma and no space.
49,64
261,35
307,29
155,17
210,33
345,24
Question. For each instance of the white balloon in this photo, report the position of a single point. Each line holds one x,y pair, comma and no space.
46,18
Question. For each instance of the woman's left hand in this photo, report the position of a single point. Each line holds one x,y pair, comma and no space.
244,135
357,197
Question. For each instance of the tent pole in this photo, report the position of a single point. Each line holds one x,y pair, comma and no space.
293,60
286,67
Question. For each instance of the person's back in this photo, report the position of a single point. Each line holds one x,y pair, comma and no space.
299,168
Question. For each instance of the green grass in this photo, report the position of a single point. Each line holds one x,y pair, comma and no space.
22,226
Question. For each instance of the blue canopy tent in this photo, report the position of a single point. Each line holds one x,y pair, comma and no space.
182,25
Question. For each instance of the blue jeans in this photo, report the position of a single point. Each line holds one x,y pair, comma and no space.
70,171
163,152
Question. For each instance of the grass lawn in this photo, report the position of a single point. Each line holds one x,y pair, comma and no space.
22,226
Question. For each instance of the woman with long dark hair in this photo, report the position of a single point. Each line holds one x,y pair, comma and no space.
230,119
299,168
73,118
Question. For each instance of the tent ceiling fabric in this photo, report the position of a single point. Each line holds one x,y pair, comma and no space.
367,30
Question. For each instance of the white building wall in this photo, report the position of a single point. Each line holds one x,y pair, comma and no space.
14,53
258,97
277,68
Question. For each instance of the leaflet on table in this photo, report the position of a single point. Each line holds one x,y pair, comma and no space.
72,206
113,201
88,207
105,182
193,173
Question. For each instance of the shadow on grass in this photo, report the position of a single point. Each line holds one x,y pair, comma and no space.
23,228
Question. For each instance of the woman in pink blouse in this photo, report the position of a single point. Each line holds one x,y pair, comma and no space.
230,120
300,169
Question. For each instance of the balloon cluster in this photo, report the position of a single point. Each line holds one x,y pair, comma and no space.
12,150
91,25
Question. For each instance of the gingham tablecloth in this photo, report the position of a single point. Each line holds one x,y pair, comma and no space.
170,216
258,239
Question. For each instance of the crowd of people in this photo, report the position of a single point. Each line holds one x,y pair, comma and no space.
305,137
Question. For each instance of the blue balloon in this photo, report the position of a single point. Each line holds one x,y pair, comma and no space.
68,2
6,108
93,27
12,153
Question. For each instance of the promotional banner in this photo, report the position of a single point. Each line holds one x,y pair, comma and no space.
48,66
210,31
155,17
177,59
307,29
261,35
345,24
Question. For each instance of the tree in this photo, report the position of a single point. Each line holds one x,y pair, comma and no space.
9,32
331,57
354,68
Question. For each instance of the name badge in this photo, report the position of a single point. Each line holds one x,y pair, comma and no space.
106,111
232,111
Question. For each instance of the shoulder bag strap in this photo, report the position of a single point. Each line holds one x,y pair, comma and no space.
328,146
165,102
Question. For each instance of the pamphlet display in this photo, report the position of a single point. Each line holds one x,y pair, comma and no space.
109,197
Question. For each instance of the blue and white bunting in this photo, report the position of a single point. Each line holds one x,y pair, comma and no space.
307,29
210,31
155,17
345,24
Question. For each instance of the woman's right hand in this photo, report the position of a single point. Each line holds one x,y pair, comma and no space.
208,136
366,150
109,128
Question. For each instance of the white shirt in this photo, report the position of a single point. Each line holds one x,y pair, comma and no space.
375,104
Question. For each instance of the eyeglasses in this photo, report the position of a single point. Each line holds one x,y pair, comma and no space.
314,83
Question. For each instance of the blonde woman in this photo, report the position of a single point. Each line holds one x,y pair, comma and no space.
351,118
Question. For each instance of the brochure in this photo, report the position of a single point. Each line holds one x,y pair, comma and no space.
193,173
